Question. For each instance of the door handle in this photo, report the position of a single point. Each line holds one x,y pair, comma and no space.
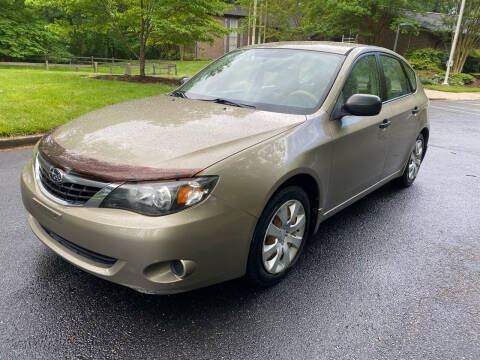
415,110
385,123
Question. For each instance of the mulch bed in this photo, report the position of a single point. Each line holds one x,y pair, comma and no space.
475,84
138,79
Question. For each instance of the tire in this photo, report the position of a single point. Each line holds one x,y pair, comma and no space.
413,165
271,257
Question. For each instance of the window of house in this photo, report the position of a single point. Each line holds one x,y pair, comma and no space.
395,79
363,79
233,37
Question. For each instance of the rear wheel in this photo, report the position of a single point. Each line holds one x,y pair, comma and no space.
279,237
413,166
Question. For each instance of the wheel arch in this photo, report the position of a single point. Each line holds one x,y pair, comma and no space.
310,184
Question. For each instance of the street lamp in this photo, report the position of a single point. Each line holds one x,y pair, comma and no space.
398,32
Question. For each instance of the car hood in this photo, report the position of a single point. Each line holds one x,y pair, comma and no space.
159,137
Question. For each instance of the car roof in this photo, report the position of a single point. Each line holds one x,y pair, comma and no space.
324,46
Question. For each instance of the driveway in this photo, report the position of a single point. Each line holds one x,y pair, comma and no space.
394,276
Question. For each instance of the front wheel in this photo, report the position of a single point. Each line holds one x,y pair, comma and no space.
279,237
413,166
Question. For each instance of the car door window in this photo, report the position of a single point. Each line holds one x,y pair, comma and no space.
395,80
411,77
363,79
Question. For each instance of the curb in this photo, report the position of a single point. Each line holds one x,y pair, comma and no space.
17,141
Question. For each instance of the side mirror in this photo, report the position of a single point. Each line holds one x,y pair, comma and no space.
184,80
363,105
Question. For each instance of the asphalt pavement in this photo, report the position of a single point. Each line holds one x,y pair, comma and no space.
394,276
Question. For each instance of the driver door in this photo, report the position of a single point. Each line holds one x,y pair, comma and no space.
360,144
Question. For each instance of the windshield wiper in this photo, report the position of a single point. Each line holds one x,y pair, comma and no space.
229,102
178,93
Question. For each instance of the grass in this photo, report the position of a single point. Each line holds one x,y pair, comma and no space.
454,89
34,100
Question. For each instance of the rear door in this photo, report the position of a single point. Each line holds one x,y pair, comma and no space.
399,100
359,150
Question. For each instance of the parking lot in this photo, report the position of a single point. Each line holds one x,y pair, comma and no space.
394,276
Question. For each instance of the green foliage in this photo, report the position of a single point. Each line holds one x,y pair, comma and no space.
458,79
414,29
427,81
369,18
23,33
139,22
472,63
462,79
425,59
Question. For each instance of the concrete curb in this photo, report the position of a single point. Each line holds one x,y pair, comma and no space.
444,95
17,141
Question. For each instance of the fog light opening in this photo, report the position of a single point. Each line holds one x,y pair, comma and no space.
178,268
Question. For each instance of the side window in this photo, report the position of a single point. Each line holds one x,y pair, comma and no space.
395,80
411,77
363,79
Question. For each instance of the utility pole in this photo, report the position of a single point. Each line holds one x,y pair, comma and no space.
454,44
254,21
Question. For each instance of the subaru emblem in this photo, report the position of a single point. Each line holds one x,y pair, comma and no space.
56,175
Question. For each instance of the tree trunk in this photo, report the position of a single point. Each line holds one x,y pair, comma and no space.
141,58
181,49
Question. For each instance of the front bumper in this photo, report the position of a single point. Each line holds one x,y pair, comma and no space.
212,237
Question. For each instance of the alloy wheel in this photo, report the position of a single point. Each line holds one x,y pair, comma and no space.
284,236
415,160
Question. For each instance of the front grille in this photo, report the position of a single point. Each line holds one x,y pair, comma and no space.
72,189
74,194
99,258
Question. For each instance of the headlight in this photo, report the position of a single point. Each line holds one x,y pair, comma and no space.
155,199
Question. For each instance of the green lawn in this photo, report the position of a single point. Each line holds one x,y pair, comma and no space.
33,101
454,89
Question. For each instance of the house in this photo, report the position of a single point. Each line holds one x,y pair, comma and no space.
433,33
231,20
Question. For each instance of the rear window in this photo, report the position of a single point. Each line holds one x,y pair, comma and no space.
395,80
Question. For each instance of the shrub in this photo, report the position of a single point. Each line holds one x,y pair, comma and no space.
425,59
459,79
427,81
466,78
472,64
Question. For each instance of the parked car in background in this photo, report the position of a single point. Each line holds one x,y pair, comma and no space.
233,172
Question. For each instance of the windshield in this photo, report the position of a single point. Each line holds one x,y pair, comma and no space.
279,80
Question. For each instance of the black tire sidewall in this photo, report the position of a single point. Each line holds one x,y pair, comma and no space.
256,273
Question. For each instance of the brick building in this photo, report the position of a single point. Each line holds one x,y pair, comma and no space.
433,33
231,20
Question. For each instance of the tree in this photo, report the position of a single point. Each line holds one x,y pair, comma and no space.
278,20
369,18
469,34
142,22
23,33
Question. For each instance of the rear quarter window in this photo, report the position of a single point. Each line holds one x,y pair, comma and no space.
411,77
